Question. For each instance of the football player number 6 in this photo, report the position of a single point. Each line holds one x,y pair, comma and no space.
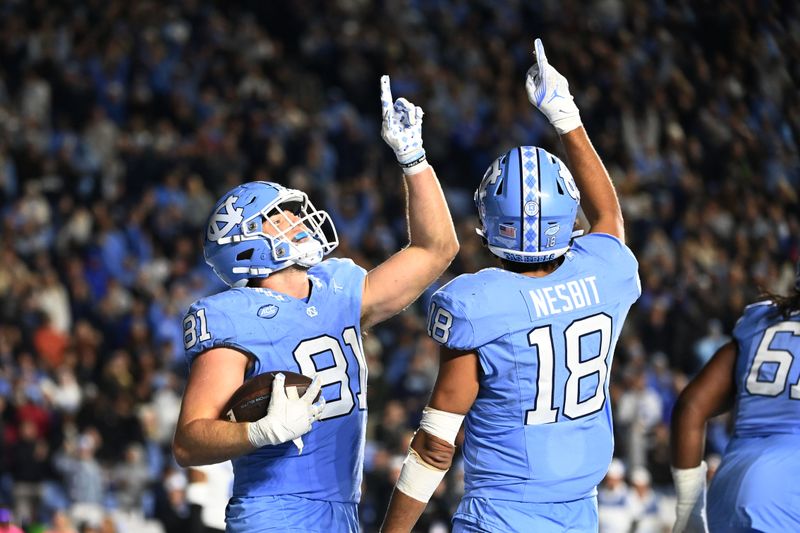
779,361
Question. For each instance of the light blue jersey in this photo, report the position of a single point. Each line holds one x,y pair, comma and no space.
767,373
319,336
754,487
540,429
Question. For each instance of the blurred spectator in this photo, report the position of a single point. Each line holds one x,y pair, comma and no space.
614,500
173,509
707,345
130,480
637,413
644,503
6,522
84,478
210,487
30,467
61,524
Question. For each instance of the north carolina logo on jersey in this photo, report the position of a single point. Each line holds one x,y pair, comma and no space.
224,220
268,311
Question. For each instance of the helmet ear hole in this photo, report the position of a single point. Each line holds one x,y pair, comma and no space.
243,256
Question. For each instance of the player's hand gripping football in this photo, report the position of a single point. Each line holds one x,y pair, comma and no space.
402,129
548,90
289,416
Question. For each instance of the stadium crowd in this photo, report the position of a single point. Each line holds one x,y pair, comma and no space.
121,122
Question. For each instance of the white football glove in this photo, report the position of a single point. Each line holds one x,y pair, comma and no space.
288,416
690,510
402,130
548,90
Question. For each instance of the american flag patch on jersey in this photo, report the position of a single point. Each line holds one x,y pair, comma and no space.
508,231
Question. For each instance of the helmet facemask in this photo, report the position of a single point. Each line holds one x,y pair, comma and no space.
306,247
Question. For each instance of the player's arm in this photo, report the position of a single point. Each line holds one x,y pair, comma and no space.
201,437
431,452
397,282
709,394
548,90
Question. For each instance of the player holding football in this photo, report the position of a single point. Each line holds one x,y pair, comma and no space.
755,487
526,349
289,309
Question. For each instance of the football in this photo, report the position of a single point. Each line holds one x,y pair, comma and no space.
250,401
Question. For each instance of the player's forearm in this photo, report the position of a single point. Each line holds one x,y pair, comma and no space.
598,197
429,222
687,436
403,513
205,441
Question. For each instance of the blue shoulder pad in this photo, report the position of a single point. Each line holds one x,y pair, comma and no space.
457,307
748,323
611,251
341,270
206,325
342,276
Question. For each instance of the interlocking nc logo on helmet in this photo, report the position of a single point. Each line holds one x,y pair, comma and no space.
230,218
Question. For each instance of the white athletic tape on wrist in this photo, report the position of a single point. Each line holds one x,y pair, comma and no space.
690,483
441,424
690,508
418,479
567,124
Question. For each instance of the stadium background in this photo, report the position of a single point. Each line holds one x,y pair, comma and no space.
121,122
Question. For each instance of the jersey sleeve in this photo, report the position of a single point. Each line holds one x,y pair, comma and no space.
448,323
461,315
207,326
618,260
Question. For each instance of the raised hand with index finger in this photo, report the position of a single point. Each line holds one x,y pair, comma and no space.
402,130
548,90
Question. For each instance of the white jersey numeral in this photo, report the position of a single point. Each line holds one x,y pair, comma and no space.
579,366
543,411
779,361
439,324
190,337
352,339
306,355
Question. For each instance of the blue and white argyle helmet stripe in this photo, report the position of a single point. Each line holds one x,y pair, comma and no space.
238,249
527,203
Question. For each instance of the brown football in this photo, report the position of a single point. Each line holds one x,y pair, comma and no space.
250,401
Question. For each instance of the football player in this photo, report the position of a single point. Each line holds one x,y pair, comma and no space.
287,308
758,373
526,349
